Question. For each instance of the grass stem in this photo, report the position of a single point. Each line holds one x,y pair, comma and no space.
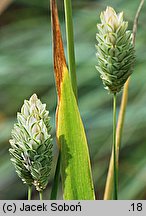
70,44
29,192
114,149
41,195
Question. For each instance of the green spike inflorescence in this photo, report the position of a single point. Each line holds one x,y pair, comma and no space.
31,148
115,51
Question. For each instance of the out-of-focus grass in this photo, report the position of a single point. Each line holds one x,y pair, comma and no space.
26,67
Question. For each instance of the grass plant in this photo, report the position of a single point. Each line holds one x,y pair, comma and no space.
31,142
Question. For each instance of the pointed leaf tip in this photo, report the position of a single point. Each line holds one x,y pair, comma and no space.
58,50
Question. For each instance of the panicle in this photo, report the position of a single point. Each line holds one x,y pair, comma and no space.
115,50
31,144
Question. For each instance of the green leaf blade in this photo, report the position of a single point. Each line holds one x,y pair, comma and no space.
75,162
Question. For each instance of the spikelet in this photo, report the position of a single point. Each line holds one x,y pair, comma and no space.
115,51
31,148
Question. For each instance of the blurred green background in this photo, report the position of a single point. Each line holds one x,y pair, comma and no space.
26,68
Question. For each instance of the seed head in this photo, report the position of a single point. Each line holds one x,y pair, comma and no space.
115,51
31,148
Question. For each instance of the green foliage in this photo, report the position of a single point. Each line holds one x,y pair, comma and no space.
25,63
75,162
71,138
